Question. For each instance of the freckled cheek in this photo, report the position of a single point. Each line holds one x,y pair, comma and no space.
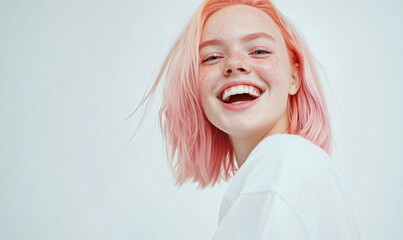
207,79
273,71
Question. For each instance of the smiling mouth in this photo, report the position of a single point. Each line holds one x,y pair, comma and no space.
240,94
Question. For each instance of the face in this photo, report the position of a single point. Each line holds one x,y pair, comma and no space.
245,74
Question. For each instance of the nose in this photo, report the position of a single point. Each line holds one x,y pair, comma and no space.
236,64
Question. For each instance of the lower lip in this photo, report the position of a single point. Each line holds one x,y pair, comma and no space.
239,106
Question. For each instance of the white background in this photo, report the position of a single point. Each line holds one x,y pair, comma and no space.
71,71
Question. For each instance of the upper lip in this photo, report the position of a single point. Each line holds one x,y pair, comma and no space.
232,83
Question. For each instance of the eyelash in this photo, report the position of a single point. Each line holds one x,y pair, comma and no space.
209,58
262,50
215,57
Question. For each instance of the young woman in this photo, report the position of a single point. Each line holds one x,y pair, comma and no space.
242,98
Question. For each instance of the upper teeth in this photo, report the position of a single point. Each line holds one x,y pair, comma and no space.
240,89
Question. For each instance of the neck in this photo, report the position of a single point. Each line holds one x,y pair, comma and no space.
243,146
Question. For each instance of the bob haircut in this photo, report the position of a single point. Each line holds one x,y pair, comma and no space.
204,153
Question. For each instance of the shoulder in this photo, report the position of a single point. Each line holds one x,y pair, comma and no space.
287,146
285,161
303,178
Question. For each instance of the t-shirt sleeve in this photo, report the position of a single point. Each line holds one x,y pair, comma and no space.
262,215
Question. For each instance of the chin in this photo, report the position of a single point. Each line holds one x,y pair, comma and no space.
244,130
253,126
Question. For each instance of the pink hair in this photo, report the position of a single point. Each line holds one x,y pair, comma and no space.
204,153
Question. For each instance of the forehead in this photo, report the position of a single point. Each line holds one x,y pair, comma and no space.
236,21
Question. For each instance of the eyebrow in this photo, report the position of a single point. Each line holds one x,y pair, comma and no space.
246,38
254,36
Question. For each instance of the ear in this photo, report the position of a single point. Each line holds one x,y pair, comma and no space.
295,79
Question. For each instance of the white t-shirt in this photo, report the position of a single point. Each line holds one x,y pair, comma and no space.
288,188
